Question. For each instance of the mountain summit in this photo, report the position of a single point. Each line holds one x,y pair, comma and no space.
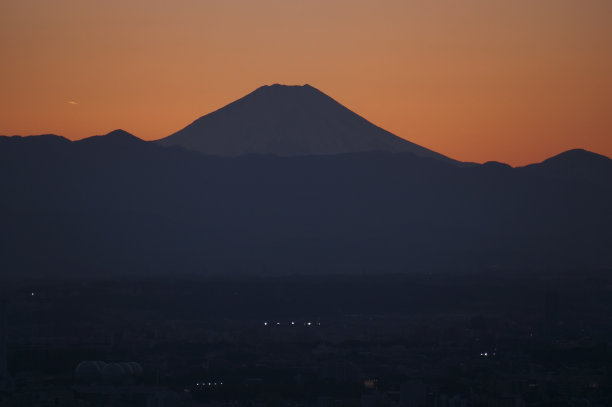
288,121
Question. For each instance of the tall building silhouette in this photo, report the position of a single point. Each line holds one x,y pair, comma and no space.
4,379
551,312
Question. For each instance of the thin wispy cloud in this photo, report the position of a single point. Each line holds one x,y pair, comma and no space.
72,102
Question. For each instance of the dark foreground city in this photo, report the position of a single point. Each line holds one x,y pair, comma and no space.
494,338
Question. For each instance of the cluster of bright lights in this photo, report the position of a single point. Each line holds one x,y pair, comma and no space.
211,384
266,323
487,354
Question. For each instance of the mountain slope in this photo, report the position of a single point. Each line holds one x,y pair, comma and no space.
288,121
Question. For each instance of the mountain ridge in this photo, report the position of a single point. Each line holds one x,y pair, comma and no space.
115,135
136,207
566,156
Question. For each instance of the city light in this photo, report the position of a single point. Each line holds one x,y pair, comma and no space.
209,384
293,323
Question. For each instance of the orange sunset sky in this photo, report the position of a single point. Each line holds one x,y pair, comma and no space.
508,80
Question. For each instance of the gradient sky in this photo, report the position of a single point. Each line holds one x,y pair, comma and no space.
508,80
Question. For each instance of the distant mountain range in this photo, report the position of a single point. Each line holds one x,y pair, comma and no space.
117,205
288,121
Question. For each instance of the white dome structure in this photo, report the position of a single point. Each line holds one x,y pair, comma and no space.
89,371
113,373
136,368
